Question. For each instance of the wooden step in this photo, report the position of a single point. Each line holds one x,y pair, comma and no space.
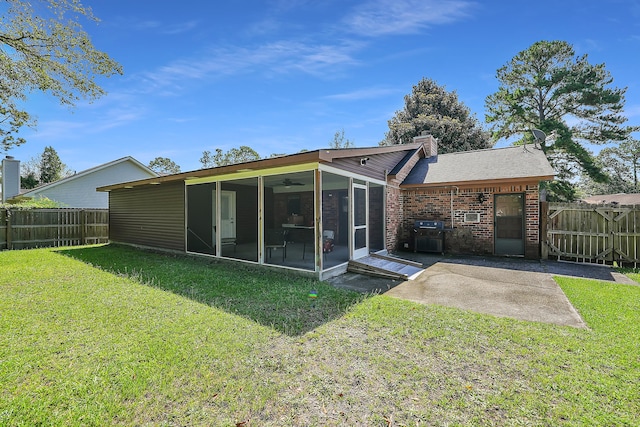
385,266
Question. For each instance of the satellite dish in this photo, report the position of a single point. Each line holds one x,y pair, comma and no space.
538,136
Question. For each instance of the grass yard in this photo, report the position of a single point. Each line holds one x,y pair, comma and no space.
109,335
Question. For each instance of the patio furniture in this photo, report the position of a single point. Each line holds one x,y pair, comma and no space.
275,239
327,242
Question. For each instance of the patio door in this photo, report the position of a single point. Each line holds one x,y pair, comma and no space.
509,224
359,219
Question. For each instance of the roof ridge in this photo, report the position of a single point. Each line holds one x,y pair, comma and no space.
487,150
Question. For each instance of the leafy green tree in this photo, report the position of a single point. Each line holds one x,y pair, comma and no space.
231,157
547,87
30,173
164,166
43,47
339,141
431,108
621,164
28,182
51,167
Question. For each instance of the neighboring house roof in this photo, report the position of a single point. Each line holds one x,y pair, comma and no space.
480,166
74,190
620,198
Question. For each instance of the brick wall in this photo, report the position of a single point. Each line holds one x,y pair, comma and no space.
532,222
430,144
464,237
281,207
395,213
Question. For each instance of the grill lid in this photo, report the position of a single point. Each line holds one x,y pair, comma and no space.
428,225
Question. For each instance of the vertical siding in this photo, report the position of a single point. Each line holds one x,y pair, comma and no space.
151,215
374,168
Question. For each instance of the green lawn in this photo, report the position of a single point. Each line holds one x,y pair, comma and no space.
114,336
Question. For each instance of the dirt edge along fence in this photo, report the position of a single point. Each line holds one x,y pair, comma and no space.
603,234
34,228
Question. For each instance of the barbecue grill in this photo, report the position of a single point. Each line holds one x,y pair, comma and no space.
428,236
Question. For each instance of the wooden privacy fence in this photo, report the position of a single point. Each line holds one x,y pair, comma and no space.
23,229
591,233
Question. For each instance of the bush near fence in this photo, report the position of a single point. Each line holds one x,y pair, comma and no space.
32,228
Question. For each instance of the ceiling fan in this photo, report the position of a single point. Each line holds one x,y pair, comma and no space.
288,183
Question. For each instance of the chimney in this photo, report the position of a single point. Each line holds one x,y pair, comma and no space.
429,142
10,178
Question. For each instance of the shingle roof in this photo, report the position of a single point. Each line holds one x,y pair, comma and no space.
481,165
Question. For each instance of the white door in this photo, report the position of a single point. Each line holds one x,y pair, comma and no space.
227,214
359,219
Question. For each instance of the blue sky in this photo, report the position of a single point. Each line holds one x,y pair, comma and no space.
284,75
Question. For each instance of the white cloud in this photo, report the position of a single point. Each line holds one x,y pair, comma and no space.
182,27
56,129
115,118
382,17
281,57
157,26
368,93
145,25
98,121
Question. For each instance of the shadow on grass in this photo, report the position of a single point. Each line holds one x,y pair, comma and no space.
279,300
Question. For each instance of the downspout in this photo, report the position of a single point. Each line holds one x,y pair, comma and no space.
452,217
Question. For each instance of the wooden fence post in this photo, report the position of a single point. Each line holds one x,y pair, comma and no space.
3,227
83,224
544,221
9,243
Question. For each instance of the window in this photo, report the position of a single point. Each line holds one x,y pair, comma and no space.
471,217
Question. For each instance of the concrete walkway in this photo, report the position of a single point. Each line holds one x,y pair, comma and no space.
505,287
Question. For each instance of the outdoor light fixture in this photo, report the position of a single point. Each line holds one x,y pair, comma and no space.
363,161
481,197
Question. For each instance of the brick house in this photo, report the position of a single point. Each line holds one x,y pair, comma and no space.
315,211
488,199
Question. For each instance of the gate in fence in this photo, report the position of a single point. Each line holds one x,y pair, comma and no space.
591,233
23,229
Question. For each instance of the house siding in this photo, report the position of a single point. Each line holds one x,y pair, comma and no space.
81,192
376,167
150,215
467,238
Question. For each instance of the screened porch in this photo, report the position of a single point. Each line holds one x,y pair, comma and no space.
310,220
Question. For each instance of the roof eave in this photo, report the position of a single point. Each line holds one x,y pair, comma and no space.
322,156
340,153
419,150
481,182
305,157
